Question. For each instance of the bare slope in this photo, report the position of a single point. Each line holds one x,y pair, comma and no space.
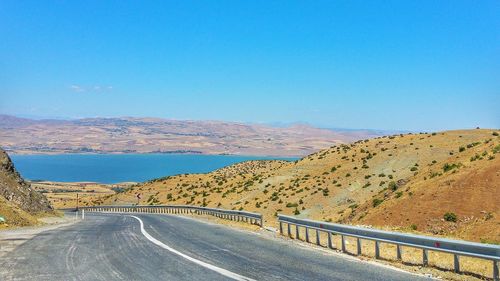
148,135
18,200
404,181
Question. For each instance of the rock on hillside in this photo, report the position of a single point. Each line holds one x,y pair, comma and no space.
18,192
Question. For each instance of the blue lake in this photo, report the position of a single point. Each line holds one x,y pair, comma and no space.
113,168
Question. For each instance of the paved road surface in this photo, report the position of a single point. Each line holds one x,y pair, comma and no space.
113,247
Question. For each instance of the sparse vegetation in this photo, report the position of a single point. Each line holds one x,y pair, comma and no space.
376,202
450,217
386,185
448,167
393,186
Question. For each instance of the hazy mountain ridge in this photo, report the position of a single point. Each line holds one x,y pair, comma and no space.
155,135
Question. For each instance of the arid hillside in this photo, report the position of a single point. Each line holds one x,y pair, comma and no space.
64,194
18,200
155,135
445,183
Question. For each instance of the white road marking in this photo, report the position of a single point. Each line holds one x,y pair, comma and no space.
217,269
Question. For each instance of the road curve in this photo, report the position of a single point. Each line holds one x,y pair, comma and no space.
167,247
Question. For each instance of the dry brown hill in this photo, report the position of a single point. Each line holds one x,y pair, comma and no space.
18,200
407,182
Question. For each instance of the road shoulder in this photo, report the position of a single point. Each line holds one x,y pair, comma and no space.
10,239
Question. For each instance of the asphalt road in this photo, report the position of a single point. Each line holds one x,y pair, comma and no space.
113,247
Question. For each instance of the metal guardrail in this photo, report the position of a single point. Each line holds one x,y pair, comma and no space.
253,218
426,243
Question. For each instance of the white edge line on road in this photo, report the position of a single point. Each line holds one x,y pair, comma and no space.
217,269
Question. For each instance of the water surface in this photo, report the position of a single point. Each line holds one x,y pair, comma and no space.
113,168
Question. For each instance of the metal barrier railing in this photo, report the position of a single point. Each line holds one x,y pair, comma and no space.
426,243
253,218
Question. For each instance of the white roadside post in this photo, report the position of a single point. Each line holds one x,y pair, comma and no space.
83,214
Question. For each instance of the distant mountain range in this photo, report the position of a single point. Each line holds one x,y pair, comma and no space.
155,135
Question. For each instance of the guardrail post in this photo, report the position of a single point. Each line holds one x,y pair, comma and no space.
317,237
307,234
330,244
425,257
399,254
456,263
281,227
297,232
342,237
289,230
377,250
495,271
358,246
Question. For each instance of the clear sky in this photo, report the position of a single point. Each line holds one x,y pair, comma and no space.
410,65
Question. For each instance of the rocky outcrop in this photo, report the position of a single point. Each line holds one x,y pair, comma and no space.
17,191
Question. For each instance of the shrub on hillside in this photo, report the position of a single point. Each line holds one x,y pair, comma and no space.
118,189
496,149
325,192
393,186
448,167
452,217
377,202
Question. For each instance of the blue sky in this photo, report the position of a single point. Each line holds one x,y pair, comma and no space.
409,65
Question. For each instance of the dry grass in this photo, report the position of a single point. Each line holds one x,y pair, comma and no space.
63,194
